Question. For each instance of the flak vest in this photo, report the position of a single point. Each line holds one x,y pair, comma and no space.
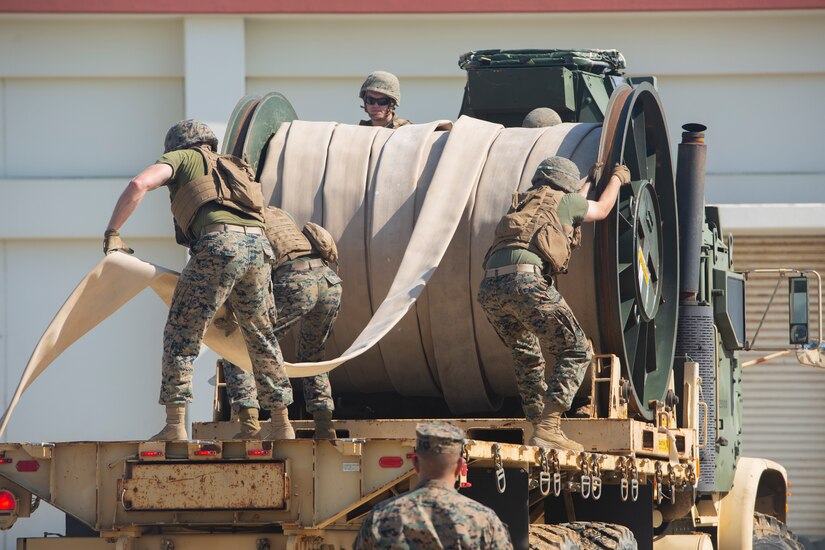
229,181
288,243
533,223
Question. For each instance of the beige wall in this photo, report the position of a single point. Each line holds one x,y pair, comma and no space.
85,100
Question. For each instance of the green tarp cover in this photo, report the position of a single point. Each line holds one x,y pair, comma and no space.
594,61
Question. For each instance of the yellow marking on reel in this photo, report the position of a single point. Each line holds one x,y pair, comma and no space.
643,266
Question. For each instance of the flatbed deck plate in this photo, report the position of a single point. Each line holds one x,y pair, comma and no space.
204,486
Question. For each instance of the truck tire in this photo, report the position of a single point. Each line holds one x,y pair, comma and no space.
603,536
553,537
771,534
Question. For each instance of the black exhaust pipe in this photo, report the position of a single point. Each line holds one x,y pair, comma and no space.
690,197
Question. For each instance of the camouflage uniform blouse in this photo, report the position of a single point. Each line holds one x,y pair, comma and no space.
433,515
395,123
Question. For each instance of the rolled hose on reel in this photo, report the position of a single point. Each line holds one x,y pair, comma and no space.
367,187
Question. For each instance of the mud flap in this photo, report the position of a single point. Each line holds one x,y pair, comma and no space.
512,506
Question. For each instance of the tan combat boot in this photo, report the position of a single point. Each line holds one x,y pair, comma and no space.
323,425
547,431
250,426
280,428
175,429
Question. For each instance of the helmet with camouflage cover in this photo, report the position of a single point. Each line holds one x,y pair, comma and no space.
189,133
559,172
541,117
382,82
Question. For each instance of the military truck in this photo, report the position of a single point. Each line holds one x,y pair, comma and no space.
653,286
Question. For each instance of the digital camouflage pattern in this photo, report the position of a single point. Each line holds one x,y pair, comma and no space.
528,314
311,297
433,515
438,437
541,117
225,267
189,133
559,171
394,124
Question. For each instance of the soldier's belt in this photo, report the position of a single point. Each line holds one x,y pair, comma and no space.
514,268
215,227
301,265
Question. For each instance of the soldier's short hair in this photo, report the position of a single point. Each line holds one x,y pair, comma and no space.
438,437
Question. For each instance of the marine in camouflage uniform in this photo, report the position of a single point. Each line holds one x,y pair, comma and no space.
231,261
381,93
433,514
521,302
529,314
307,291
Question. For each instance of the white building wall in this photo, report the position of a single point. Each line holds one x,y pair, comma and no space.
85,101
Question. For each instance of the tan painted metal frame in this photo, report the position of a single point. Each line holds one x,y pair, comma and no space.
326,487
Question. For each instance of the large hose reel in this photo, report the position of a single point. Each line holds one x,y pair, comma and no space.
366,185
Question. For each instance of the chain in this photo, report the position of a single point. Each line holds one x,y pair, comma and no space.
584,466
657,482
501,480
596,493
633,474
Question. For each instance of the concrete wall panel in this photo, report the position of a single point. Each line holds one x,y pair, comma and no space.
87,127
2,125
90,46
418,45
756,124
94,198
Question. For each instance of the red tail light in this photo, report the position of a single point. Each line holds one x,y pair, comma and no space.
151,454
7,501
257,452
390,461
28,466
205,452
6,461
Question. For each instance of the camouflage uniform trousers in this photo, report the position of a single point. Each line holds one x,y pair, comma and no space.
528,313
433,515
311,297
224,267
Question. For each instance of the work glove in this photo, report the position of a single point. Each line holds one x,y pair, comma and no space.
621,171
228,323
594,173
113,243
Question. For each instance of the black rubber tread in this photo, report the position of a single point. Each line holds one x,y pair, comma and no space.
553,537
771,534
596,535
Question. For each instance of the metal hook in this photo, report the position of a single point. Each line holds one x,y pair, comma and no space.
544,475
